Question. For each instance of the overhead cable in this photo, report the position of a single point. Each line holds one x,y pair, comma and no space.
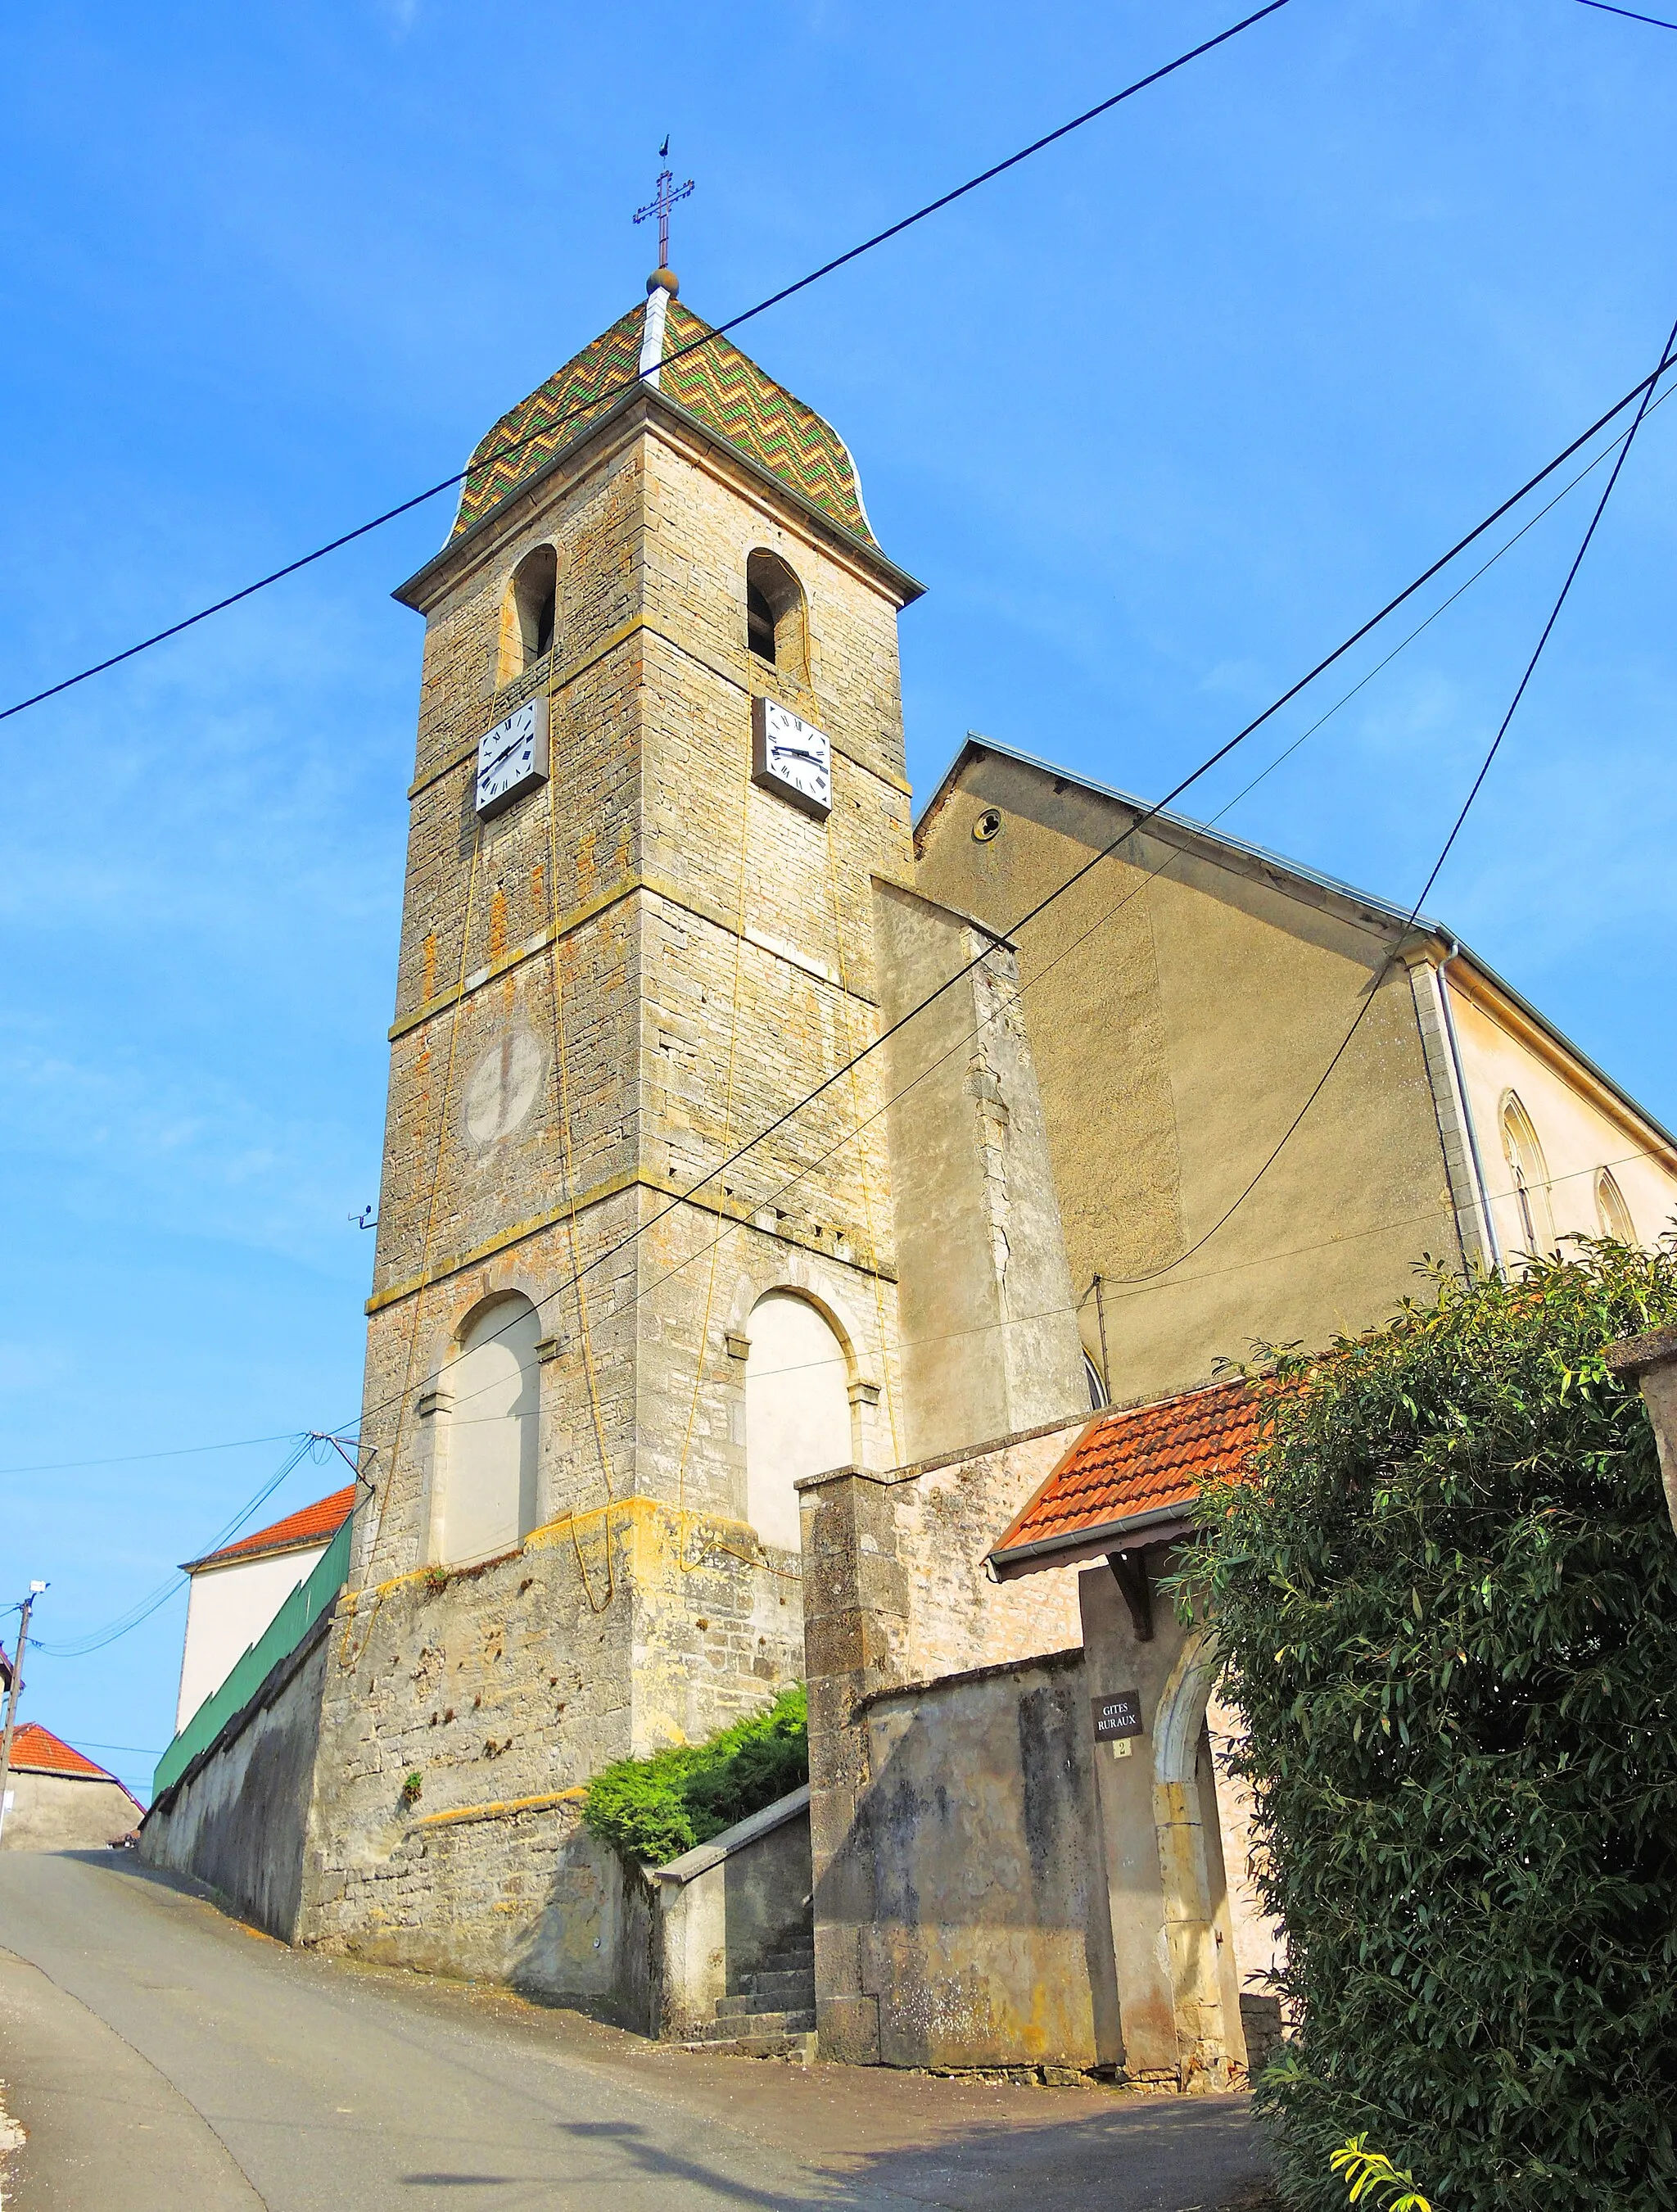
1641,392
612,391
1445,851
1658,21
95,1639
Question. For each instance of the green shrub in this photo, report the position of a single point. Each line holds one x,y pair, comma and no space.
653,1809
1448,1606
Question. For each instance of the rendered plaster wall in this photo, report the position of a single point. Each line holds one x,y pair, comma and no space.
977,1830
1580,1127
724,1909
238,1818
990,1337
1180,1007
64,1812
895,1596
228,1608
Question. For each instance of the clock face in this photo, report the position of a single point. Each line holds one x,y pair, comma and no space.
791,757
512,757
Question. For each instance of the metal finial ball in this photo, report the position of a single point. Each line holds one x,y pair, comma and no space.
666,278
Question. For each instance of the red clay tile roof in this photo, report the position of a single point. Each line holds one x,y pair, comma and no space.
1139,1460
312,1524
38,1748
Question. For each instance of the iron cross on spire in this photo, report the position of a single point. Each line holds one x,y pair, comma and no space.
665,196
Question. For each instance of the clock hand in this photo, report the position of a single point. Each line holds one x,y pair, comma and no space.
489,767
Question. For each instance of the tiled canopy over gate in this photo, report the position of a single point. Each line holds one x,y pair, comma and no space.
1135,1465
715,382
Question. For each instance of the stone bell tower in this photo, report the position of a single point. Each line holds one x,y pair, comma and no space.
660,774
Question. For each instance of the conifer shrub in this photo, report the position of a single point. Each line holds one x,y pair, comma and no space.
1447,1604
653,1809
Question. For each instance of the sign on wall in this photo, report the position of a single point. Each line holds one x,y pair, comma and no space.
1117,1715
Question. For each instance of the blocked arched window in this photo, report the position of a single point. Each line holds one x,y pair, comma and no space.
797,1409
1610,1210
487,1494
1529,1176
534,608
775,614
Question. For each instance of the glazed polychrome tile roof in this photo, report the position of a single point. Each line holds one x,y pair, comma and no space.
43,1752
723,388
1137,1460
311,1524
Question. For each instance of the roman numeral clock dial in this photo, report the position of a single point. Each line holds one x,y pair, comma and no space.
792,757
512,757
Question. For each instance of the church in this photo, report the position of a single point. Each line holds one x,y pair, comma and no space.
789,1269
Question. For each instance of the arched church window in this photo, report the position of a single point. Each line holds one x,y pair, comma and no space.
1610,1210
774,613
535,606
797,1409
486,1493
1091,1375
1529,1174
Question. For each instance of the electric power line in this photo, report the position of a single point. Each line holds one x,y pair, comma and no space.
95,1639
133,1458
612,392
1204,1275
1658,21
1030,982
1641,392
1456,830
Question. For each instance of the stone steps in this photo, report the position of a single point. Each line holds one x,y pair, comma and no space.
769,2009
769,1991
798,2047
789,1958
727,2028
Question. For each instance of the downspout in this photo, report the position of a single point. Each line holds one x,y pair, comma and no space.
1485,1214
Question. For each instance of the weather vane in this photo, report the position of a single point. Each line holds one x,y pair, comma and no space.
666,193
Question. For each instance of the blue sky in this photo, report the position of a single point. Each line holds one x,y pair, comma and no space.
1158,419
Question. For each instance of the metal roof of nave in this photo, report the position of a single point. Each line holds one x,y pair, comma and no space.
722,387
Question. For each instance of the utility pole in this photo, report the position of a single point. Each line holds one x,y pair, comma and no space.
21,1646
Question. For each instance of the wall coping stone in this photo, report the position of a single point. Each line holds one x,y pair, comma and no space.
887,1477
1634,1355
700,1859
1051,1661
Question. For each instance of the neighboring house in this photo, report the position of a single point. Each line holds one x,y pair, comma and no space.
1183,999
236,1592
58,1800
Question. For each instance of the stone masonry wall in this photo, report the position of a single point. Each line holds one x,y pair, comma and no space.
601,991
502,1688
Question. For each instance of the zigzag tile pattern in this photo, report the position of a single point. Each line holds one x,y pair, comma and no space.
729,393
723,388
510,451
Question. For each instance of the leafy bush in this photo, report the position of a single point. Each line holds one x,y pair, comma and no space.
653,1809
1449,1608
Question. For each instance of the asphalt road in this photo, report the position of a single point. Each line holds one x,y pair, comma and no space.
161,2055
